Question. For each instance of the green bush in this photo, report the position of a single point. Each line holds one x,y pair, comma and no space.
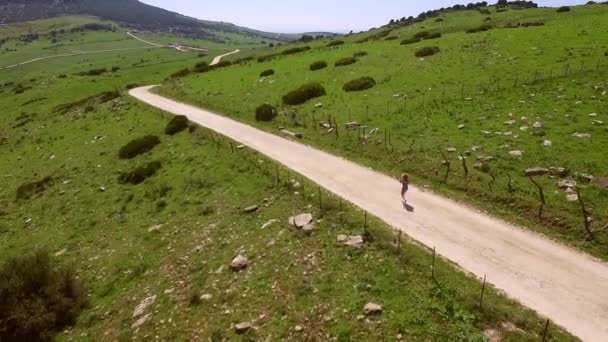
201,64
140,174
427,51
345,61
422,34
335,43
359,84
267,73
265,112
482,28
318,65
295,50
138,146
267,58
28,190
222,64
433,36
563,9
410,41
177,124
360,54
180,73
37,299
391,38
304,93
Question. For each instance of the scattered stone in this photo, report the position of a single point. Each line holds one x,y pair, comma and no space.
523,128
476,148
547,143
301,220
360,317
351,241
566,184
269,223
251,209
102,188
143,306
169,291
559,171
510,122
601,182
461,126
292,134
206,297
598,122
572,197
582,135
155,229
492,335
584,177
298,328
451,149
240,147
510,327
485,158
61,252
593,114
319,105
516,153
239,263
537,125
242,328
199,248
372,309
140,321
536,171
308,229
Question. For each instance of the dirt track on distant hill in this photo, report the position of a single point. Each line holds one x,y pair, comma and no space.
565,285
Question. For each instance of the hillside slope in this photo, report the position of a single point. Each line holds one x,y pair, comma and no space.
131,13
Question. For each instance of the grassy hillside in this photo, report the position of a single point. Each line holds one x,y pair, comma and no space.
174,235
506,99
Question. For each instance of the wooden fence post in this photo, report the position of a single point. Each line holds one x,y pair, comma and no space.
483,289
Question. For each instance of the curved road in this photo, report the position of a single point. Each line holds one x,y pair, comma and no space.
218,59
565,285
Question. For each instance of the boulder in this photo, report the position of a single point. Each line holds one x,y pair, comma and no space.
485,158
582,135
547,143
140,321
566,184
301,220
558,171
308,229
251,209
572,197
516,153
243,327
451,149
143,306
537,125
239,263
510,122
523,128
351,241
155,228
372,309
536,171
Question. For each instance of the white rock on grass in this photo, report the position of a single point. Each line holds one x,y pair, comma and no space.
301,220
572,197
510,122
242,328
523,128
143,306
61,252
239,263
516,153
269,223
582,135
351,241
538,125
547,143
155,228
140,321
372,309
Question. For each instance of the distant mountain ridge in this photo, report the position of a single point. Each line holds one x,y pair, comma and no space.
130,13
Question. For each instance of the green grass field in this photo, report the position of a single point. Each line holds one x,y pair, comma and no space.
481,96
101,227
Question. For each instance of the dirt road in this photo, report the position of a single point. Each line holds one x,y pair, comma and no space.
219,58
568,287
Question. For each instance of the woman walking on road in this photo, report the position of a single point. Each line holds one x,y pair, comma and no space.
405,184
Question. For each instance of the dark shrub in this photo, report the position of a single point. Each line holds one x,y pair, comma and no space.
391,38
201,64
138,146
267,73
485,11
532,23
487,19
295,50
304,93
37,300
222,64
422,34
482,28
359,84
345,61
265,112
108,96
427,51
115,68
335,43
438,20
180,73
501,10
177,124
140,174
267,58
28,190
203,68
360,54
563,9
243,60
410,41
131,85
318,65
93,72
433,36
62,76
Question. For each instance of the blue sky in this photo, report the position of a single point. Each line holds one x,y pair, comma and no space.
312,15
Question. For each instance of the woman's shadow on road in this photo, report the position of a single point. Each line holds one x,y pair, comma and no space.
408,207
